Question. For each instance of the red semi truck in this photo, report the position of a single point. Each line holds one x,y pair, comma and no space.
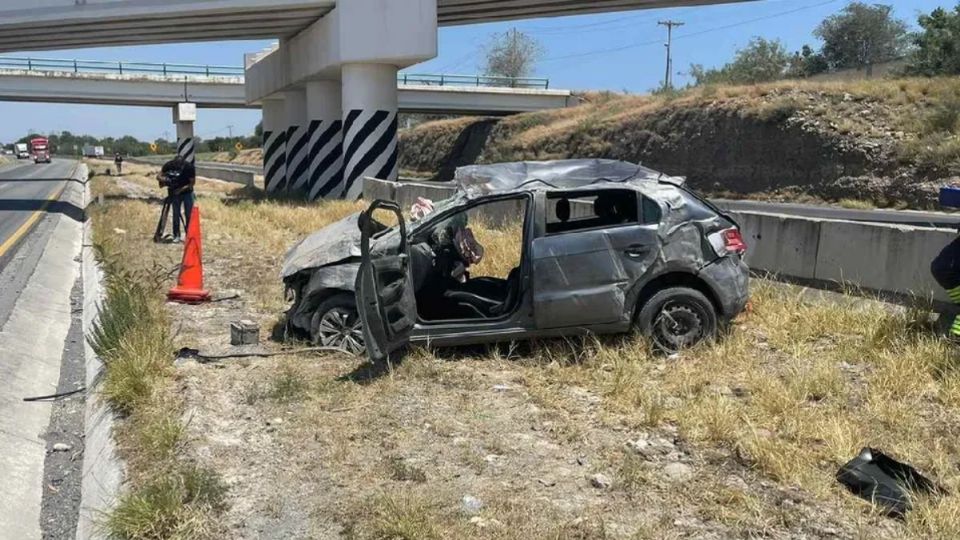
40,149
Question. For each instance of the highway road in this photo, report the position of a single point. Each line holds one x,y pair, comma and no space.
41,339
939,220
26,192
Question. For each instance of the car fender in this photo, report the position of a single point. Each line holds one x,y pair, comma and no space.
322,283
678,268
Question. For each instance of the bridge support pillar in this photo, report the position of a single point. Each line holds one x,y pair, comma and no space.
324,109
274,144
369,125
184,116
295,106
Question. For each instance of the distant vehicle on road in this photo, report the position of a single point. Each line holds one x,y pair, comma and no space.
93,151
22,151
40,147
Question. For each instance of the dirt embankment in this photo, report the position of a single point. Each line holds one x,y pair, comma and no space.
888,142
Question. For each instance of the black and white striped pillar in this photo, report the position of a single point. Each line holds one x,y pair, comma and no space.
298,141
326,140
369,125
186,147
184,116
274,145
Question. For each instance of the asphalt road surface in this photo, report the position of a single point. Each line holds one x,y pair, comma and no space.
26,191
40,244
939,220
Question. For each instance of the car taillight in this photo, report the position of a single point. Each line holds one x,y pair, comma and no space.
733,241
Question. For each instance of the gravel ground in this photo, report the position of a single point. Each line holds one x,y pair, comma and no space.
64,463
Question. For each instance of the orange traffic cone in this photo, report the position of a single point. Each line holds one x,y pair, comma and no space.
189,289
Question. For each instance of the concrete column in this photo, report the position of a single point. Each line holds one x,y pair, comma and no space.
184,116
274,144
369,125
298,166
324,108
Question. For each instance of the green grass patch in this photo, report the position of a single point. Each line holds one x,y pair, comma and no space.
167,498
179,503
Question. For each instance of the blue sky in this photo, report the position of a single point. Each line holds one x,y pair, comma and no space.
619,51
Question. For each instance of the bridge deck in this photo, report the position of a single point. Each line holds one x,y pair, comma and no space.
66,24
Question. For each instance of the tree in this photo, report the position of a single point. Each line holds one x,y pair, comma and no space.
762,60
807,63
862,35
937,47
512,54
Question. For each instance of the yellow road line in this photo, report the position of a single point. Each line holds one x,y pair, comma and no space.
28,224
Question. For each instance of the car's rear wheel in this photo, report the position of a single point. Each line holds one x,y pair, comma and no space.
336,323
678,318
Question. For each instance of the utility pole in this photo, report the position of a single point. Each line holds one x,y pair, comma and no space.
231,131
668,78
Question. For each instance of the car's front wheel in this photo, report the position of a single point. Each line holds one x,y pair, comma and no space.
336,323
678,318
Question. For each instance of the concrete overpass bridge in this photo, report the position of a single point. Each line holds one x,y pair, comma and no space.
45,80
329,87
66,24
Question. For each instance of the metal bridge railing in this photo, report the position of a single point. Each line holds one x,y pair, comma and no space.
52,65
473,80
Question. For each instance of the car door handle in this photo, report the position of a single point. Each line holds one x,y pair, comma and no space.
637,251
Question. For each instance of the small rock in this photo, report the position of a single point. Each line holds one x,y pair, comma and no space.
600,481
501,388
119,231
651,448
737,483
547,482
275,422
62,447
678,472
482,523
470,504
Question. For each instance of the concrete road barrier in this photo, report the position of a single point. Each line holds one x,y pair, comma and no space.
882,258
103,472
226,173
891,259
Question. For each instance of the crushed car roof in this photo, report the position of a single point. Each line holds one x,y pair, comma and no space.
477,180
340,241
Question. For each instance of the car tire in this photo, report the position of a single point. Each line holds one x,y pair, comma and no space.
336,323
678,318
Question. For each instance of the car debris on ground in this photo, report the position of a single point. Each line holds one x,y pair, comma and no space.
886,482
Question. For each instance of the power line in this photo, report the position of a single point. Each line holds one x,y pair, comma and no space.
688,35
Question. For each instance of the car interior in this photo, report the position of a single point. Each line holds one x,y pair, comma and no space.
590,210
445,258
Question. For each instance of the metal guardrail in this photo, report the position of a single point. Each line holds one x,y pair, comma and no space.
473,80
122,68
52,65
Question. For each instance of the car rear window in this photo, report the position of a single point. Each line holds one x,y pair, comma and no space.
577,211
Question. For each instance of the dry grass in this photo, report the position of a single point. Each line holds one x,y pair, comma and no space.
898,132
763,418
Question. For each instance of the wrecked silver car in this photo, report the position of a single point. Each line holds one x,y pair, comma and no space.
523,250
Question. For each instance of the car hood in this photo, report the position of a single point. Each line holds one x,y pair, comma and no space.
332,244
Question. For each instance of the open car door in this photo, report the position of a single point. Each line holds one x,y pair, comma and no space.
385,295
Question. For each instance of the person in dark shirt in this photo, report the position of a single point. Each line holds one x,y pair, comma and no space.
180,177
118,161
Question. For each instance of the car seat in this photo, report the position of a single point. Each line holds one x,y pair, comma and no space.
487,298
